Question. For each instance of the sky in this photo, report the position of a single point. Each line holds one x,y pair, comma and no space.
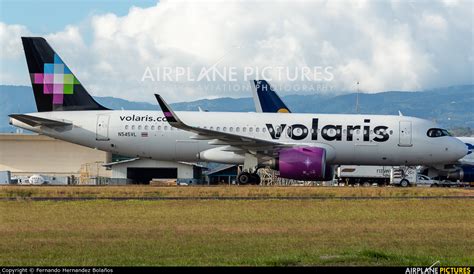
187,50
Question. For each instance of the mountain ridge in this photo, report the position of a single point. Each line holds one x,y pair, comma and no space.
450,106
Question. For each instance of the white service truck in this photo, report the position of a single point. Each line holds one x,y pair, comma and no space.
404,176
376,175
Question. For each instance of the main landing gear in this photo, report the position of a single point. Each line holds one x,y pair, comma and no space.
245,178
249,175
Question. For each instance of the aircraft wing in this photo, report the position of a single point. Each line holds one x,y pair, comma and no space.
245,143
38,121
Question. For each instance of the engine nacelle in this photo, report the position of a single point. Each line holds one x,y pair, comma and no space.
464,174
303,163
221,155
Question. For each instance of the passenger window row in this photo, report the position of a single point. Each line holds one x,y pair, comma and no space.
236,129
218,128
258,130
140,127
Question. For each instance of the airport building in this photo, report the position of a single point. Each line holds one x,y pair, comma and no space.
145,170
223,174
24,155
29,154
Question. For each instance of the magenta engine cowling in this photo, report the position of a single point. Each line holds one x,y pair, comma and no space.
302,163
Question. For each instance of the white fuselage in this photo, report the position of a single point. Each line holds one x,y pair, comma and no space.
348,139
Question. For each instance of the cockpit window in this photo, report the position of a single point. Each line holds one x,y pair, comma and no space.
437,132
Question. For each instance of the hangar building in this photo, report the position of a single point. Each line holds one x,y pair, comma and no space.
29,154
144,170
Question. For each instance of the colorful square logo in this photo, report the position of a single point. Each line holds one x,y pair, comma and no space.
57,80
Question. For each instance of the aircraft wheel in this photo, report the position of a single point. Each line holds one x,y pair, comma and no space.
254,179
244,178
404,183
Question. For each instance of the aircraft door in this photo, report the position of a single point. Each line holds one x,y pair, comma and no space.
102,127
405,138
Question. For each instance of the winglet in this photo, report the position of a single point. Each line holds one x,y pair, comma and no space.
167,111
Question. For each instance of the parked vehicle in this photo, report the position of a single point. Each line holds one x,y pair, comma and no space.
363,175
425,181
403,176
448,183
377,175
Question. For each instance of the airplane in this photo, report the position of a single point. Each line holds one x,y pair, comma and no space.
299,146
267,100
462,170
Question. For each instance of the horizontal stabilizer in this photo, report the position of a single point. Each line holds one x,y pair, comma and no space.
37,121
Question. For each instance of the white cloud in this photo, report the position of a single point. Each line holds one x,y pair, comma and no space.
9,40
434,21
12,64
386,46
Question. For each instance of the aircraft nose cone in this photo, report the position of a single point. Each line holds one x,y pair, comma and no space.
458,149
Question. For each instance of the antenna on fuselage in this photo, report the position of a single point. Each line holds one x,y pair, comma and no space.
357,99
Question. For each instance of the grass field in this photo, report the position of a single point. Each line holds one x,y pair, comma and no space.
224,191
211,232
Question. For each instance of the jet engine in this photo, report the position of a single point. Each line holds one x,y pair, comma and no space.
303,163
465,173
221,155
